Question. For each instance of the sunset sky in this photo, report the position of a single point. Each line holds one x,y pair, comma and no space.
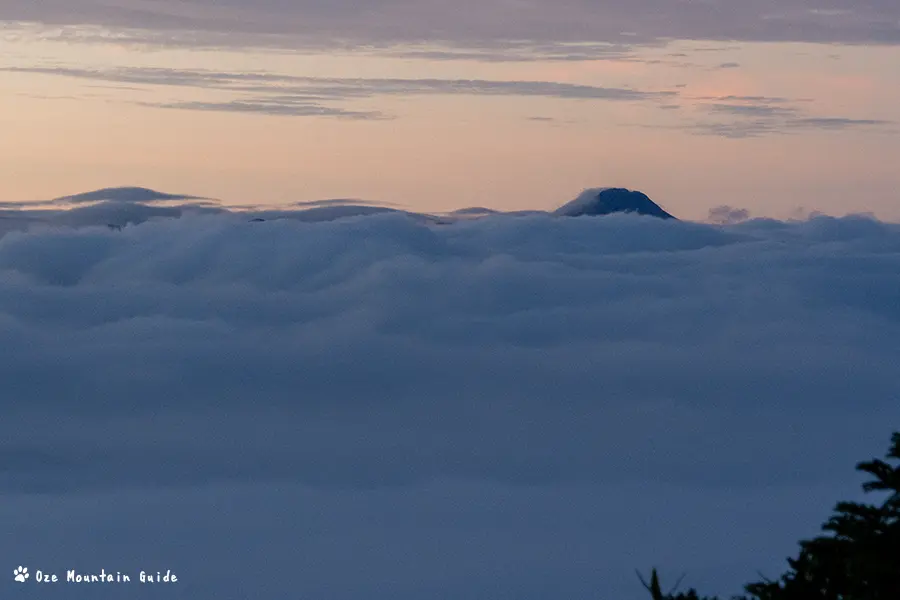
288,397
781,109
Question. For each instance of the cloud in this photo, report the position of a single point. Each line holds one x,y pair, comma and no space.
754,116
753,110
728,65
462,410
763,126
554,121
715,48
758,99
758,127
276,108
836,122
467,23
519,51
287,95
727,215
341,87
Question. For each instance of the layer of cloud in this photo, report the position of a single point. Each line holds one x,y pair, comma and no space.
289,95
283,107
515,51
339,88
472,23
490,409
753,116
752,110
751,99
755,127
279,94
444,539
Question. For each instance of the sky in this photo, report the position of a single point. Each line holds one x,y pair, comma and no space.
777,110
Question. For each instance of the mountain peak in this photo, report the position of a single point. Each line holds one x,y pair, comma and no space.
605,201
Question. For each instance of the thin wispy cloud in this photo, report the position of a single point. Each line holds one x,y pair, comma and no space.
837,122
754,99
342,87
752,110
290,95
739,117
519,52
281,108
756,127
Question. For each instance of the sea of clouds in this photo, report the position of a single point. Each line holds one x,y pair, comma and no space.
382,407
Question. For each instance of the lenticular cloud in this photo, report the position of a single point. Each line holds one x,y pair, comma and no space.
495,408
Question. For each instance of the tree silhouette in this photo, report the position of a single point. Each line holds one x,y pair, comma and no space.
858,558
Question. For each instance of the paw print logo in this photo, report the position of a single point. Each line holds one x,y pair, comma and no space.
21,574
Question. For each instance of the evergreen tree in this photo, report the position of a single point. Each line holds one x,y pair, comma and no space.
858,558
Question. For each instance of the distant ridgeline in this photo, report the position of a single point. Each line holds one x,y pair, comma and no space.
121,206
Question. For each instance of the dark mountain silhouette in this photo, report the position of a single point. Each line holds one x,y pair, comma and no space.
121,205
606,201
